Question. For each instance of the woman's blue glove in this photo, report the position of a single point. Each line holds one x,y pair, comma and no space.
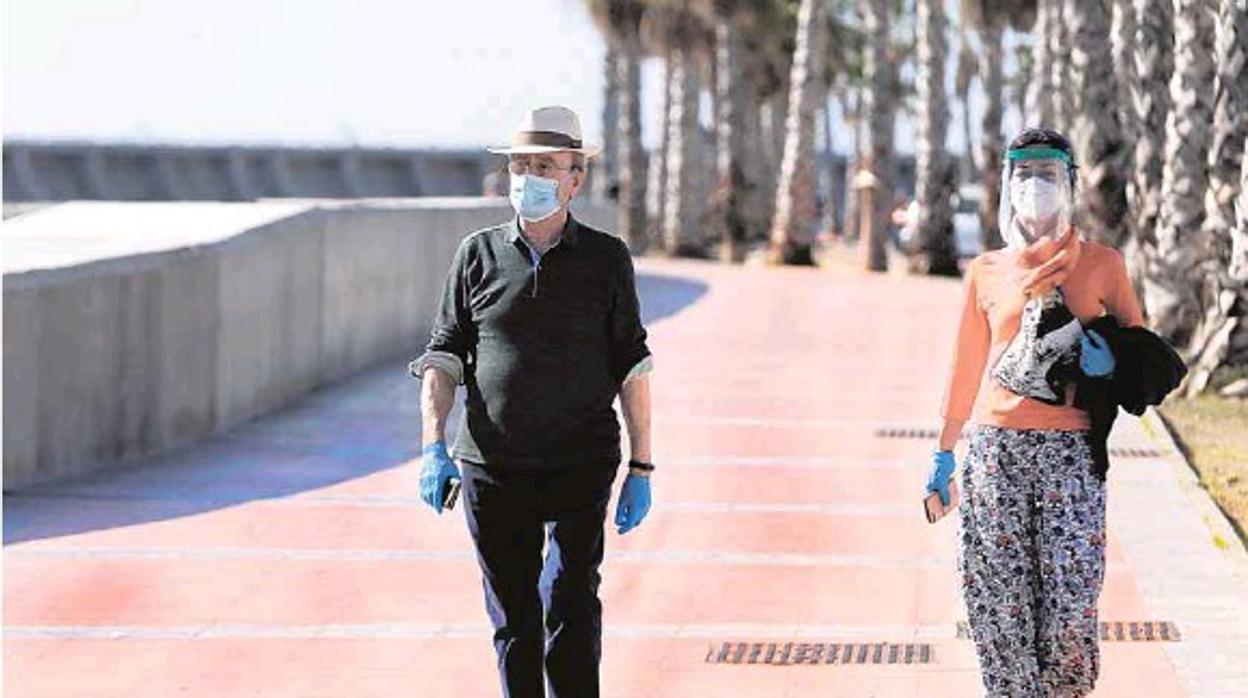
634,503
436,469
1095,358
943,466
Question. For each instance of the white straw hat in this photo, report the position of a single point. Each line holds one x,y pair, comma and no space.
548,130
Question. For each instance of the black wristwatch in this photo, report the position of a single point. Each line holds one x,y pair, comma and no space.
647,468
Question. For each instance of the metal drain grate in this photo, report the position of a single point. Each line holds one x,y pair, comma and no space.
1119,631
1128,452
906,433
818,653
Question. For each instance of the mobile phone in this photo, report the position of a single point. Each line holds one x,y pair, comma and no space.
935,509
452,493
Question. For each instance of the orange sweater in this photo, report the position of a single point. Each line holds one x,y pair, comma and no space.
992,308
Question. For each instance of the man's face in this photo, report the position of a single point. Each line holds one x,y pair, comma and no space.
556,166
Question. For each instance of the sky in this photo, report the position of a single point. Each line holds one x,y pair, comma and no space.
366,72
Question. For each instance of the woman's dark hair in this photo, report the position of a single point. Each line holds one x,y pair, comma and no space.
1047,137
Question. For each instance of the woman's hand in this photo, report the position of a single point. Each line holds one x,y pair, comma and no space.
1095,358
1045,264
938,475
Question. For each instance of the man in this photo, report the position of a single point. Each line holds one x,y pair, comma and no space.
539,321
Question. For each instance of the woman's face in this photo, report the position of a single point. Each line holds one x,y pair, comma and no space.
1040,198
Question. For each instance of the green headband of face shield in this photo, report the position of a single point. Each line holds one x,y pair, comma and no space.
1037,154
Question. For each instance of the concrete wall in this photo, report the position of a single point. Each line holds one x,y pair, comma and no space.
36,171
133,328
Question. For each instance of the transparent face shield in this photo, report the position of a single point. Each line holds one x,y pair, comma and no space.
1036,197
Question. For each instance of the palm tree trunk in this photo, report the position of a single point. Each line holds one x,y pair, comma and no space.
1098,141
1150,95
852,222
656,190
731,103
1024,60
795,197
1039,94
632,153
754,168
832,203
990,61
1059,57
881,107
605,184
1230,118
1170,294
1123,32
772,144
1222,296
680,229
933,187
966,68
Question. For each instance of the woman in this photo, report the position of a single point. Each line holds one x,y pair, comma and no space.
1032,552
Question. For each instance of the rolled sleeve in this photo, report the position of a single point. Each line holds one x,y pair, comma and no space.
630,357
452,365
452,341
641,368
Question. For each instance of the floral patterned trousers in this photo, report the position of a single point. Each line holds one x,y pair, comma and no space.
1032,560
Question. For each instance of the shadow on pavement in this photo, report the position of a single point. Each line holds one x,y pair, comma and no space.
362,425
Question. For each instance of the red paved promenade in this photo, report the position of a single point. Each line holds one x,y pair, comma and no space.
292,558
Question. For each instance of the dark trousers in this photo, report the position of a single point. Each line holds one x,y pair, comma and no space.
542,611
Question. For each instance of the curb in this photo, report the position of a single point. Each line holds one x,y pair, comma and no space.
1234,550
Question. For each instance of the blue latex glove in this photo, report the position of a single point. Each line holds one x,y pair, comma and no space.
634,503
436,468
943,466
1095,358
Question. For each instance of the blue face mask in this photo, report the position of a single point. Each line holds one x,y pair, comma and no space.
534,198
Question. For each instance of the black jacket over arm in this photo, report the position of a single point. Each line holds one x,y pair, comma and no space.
1146,369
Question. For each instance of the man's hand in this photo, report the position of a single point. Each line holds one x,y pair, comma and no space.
634,503
436,470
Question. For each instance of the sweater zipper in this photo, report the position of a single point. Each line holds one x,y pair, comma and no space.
537,268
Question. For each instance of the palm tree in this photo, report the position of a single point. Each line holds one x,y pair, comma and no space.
606,165
1229,118
1174,261
1059,64
1123,30
1097,131
1223,294
964,73
1024,74
620,22
842,68
656,169
741,30
678,31
989,20
681,235
731,102
1153,54
769,49
880,97
1039,109
795,195
1239,233
934,176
